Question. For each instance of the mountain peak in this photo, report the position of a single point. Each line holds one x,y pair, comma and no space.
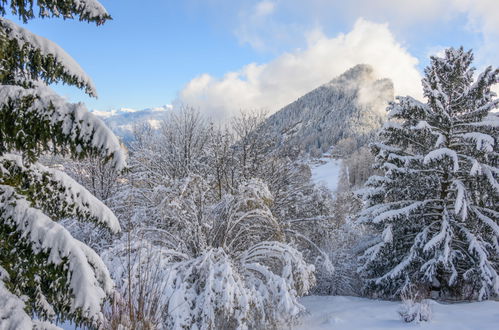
351,106
358,72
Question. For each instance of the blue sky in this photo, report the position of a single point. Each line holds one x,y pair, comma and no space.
201,52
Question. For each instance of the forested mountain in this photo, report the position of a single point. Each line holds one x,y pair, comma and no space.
349,106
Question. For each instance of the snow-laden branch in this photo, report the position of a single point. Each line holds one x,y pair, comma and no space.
69,71
12,313
88,278
55,189
86,10
438,154
483,142
51,118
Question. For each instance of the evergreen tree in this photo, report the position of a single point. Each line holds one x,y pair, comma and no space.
436,208
44,271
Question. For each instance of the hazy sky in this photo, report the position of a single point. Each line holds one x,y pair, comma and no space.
226,55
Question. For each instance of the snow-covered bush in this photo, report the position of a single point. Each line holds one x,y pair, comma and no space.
258,288
414,308
218,265
140,269
343,244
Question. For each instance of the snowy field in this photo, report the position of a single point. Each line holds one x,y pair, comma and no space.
327,172
353,313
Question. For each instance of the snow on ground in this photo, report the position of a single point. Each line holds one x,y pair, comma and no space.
353,313
327,172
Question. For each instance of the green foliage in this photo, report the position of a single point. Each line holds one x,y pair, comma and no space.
34,65
48,128
48,190
56,275
25,9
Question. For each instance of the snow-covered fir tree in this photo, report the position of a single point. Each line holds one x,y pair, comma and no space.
436,208
44,271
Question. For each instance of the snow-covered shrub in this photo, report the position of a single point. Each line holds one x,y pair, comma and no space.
419,311
139,269
258,288
414,308
218,266
162,288
341,239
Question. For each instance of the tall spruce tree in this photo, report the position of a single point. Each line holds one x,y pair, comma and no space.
436,208
44,271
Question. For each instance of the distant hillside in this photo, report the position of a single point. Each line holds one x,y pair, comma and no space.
350,106
122,121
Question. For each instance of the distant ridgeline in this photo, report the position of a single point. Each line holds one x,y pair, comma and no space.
123,121
346,111
344,114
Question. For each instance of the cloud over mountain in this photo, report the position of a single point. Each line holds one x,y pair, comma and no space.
274,84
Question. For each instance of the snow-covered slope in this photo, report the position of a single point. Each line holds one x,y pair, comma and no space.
353,313
123,120
326,171
351,105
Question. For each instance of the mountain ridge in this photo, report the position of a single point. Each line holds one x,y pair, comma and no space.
122,121
351,105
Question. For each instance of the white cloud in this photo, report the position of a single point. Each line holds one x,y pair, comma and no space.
264,8
272,85
419,19
482,18
483,15
254,22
